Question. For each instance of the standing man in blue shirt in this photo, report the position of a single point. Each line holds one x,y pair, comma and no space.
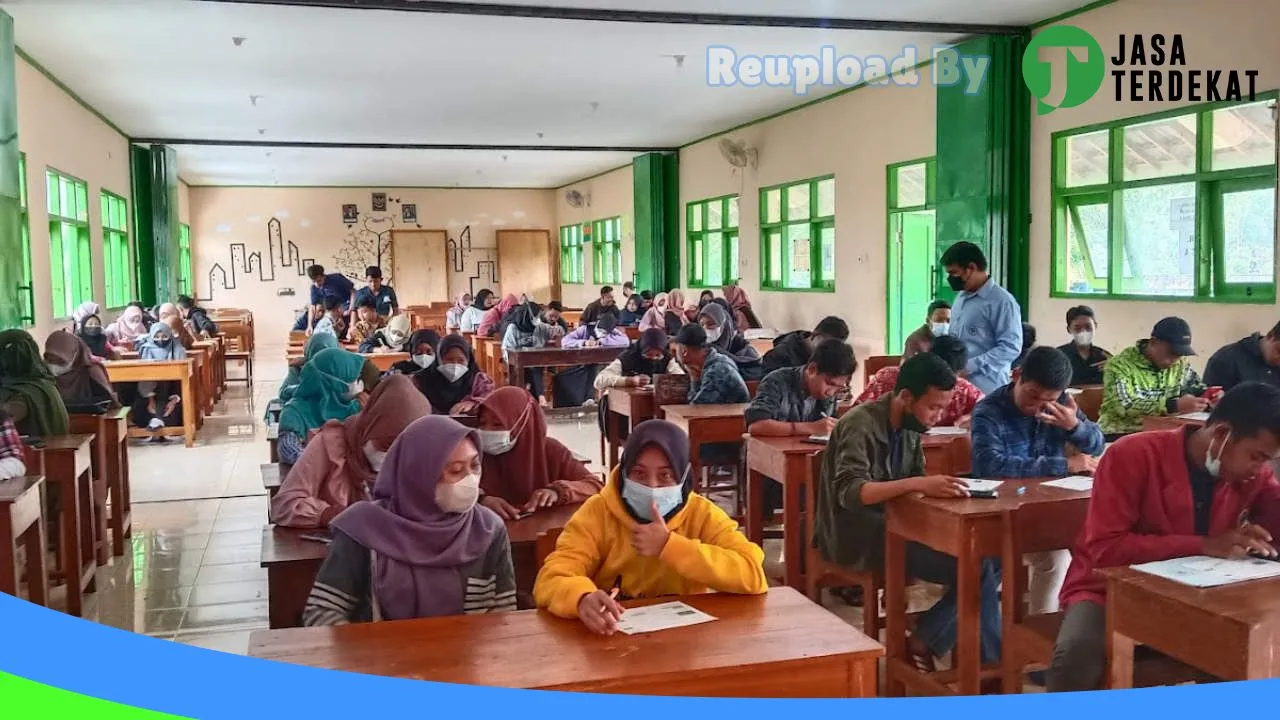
334,285
384,296
985,317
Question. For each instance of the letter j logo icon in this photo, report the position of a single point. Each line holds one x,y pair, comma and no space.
1063,67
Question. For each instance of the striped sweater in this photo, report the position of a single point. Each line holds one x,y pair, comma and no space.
1133,388
343,594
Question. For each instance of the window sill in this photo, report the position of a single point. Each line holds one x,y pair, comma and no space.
1260,299
767,288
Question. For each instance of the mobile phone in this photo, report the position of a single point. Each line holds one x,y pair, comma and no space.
983,494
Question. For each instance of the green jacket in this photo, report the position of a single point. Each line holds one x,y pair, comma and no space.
846,531
1133,388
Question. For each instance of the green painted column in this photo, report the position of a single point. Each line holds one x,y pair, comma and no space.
155,213
656,179
984,166
11,278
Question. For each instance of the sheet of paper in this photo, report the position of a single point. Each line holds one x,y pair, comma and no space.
1201,416
1203,571
1075,482
982,485
662,616
947,430
1074,391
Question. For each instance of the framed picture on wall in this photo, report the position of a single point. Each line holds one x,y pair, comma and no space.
379,202
409,212
350,214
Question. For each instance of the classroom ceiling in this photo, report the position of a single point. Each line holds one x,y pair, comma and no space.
174,70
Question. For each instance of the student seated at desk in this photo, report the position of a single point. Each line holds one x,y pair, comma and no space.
794,349
95,337
494,320
334,319
601,333
632,311
146,410
201,326
964,397
647,356
799,402
875,456
368,321
168,313
646,535
470,319
604,305
454,385
338,465
530,327
937,323
293,378
390,339
1254,358
713,376
1151,378
1022,431
80,378
1087,359
723,335
421,547
1165,495
422,353
328,390
83,310
131,324
28,393
524,469
453,317
12,453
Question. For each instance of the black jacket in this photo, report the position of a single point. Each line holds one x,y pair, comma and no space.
789,350
1240,362
201,321
594,309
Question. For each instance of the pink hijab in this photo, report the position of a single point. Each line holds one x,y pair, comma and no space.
737,299
494,315
656,316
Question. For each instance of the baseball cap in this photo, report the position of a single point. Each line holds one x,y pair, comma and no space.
692,335
1176,332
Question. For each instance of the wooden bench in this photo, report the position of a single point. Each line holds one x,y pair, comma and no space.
67,464
241,356
22,523
110,478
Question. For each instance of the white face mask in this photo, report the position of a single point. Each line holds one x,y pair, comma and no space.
453,371
714,335
641,498
458,497
939,329
354,389
496,442
1084,338
424,361
375,456
396,337
58,369
1213,465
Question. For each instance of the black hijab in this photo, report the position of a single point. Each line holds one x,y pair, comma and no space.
419,337
673,442
525,316
97,341
441,393
633,359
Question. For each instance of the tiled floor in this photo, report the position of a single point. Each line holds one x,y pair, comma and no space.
193,573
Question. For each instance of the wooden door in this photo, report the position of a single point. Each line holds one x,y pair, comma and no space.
525,264
420,263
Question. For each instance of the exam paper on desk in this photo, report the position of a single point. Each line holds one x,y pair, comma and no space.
1082,483
662,616
983,485
1204,571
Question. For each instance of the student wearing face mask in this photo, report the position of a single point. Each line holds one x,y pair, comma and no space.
937,322
471,317
329,390
338,466
601,333
1164,495
420,547
1087,359
524,469
986,317
422,353
392,338
147,412
722,334
646,535
93,335
649,355
454,384
529,329
28,391
632,311
82,382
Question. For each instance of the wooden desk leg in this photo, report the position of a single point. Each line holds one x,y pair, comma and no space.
862,678
793,532
10,573
288,586
516,368
755,504
895,623
188,411
695,453
1119,655
37,566
85,486
101,538
121,502
69,544
116,484
613,428
968,621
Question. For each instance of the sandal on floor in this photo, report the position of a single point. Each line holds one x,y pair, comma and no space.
921,657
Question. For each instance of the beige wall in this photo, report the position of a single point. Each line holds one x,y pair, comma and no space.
1235,35
610,195
56,132
235,220
184,203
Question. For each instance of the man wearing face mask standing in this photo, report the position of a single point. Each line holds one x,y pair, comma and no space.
985,317
1087,359
1150,379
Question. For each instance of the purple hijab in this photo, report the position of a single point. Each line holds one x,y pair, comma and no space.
419,546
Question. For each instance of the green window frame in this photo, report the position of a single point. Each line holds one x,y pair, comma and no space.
571,265
26,291
1174,206
798,235
910,188
185,286
117,250
711,241
606,243
70,253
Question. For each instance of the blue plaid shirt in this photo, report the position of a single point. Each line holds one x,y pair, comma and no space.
720,382
1008,444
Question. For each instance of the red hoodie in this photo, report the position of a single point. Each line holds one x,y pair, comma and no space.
1142,510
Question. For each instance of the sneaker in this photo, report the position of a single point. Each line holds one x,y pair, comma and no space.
155,424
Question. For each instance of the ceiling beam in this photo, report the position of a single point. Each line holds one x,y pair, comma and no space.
203,142
448,7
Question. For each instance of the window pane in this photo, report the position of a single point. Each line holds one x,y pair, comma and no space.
82,202
695,259
733,212
53,194
828,239
774,242
773,205
827,197
1243,136
1088,229
731,239
695,217
911,187
798,202
714,215
798,275
1248,236
715,259
1159,240
1161,148
1087,158
22,182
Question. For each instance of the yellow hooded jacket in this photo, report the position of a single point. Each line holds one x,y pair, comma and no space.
704,553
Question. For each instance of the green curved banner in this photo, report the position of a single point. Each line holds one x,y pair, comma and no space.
22,699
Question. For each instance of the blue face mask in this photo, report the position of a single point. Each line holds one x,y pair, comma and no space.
640,498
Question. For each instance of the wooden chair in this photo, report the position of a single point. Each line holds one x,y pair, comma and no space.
875,363
1090,401
545,544
820,573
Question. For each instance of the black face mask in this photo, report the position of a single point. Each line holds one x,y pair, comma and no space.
93,331
912,423
956,282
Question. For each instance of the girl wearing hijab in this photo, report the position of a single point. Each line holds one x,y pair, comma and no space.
339,464
483,301
12,453
315,343
656,316
420,547
677,315
527,330
392,338
329,390
92,334
128,327
453,318
493,317
632,311
603,332
180,331
744,316
158,346
704,297
524,469
636,366
82,311
28,393
454,385
422,352
647,534
81,381
723,335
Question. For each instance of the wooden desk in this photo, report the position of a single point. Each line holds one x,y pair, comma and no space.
631,331
946,454
203,384
216,370
773,645
272,479
1169,422
67,462
273,411
521,360
789,460
22,521
161,370
1230,632
633,403
707,424
110,448
382,361
273,442
524,545
967,530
